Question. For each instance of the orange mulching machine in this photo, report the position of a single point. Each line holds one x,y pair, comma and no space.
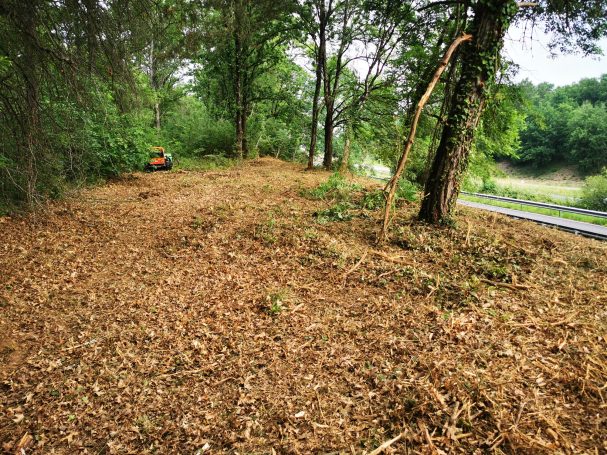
159,160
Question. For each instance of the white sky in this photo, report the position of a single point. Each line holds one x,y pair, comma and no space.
537,65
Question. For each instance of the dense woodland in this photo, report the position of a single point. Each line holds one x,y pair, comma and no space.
88,86
565,124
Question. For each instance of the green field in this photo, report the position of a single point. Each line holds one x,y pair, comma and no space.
550,190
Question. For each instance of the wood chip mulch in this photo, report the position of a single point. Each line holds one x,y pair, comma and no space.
211,312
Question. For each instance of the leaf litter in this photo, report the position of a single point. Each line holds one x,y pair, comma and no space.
211,312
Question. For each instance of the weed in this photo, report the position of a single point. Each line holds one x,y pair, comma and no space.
376,199
266,231
373,200
406,191
144,424
276,300
336,188
197,222
311,234
338,212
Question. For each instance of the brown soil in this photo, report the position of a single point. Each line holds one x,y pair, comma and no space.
210,312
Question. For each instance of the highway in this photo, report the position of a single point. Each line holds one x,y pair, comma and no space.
577,227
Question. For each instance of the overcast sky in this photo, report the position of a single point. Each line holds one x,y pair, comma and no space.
537,65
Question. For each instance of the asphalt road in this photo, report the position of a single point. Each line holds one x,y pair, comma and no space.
577,227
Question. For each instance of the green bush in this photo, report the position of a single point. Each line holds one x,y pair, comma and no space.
374,200
338,212
489,186
190,130
275,139
336,188
594,193
406,190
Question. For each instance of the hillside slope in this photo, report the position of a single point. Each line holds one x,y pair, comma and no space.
212,312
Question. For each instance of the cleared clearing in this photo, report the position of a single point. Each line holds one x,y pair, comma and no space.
211,312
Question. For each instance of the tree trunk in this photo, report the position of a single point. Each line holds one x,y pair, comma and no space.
239,133
327,161
315,111
345,159
479,61
32,145
157,115
243,132
238,83
154,85
392,185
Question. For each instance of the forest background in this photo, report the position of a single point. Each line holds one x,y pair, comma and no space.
88,87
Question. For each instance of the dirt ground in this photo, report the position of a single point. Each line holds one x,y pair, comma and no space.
211,312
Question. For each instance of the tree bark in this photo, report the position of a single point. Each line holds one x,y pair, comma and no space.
32,96
238,82
345,159
479,61
154,84
315,109
157,115
329,127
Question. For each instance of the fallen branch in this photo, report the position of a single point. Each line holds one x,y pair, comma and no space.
81,345
393,183
505,285
389,258
360,261
385,445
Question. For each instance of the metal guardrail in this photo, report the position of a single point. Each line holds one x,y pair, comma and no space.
559,208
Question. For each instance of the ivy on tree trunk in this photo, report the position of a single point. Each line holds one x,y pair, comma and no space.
478,65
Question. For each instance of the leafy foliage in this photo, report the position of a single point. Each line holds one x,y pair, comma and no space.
336,187
566,124
594,194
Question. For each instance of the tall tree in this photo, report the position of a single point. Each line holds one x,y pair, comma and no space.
574,21
57,57
244,39
174,39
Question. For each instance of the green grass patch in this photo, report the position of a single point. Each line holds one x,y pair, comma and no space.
336,188
540,210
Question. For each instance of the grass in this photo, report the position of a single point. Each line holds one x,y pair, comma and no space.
543,211
546,189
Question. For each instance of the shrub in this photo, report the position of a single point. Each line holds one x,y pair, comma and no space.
338,212
406,190
337,188
594,193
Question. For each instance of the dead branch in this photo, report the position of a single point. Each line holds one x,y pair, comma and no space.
385,445
497,284
360,261
393,183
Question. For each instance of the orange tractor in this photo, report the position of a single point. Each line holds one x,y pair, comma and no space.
159,159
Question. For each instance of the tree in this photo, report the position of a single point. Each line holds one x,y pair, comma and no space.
243,40
587,141
174,39
479,60
62,63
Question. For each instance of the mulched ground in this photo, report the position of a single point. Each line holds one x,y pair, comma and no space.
211,312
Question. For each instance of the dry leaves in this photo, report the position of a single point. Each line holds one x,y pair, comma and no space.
209,312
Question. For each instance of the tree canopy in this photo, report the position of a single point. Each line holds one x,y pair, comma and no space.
88,87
